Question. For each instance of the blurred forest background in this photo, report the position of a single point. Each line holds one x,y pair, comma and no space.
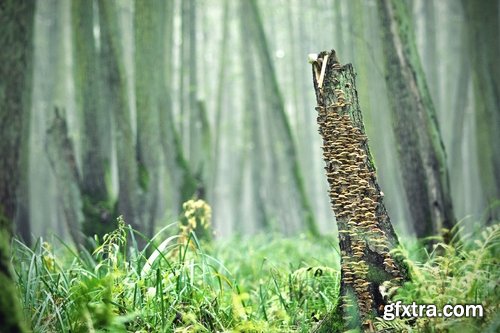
135,107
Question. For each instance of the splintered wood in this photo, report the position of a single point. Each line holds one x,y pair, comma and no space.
365,233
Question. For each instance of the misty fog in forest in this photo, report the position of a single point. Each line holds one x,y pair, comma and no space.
221,138
207,99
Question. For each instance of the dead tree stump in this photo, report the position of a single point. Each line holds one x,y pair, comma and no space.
366,235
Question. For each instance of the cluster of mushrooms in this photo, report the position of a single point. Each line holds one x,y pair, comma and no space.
354,198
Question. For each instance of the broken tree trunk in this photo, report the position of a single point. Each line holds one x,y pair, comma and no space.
366,235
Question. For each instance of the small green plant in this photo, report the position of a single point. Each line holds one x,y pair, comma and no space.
196,217
463,272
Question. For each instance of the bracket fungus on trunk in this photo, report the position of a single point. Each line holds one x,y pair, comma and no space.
366,235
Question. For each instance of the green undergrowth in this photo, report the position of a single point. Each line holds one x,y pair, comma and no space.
466,271
177,284
265,283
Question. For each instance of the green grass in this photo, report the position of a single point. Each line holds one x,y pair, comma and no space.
467,271
263,284
266,283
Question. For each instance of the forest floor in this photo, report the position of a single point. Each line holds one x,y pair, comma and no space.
266,283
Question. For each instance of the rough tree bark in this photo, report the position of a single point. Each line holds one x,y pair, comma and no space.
366,235
15,90
96,151
420,148
484,48
16,38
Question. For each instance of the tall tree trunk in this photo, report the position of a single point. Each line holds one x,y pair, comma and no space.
189,33
148,32
22,220
252,127
16,58
187,83
96,152
52,85
420,147
61,154
303,127
181,177
366,235
15,96
425,22
195,133
457,161
219,103
484,48
278,116
113,71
